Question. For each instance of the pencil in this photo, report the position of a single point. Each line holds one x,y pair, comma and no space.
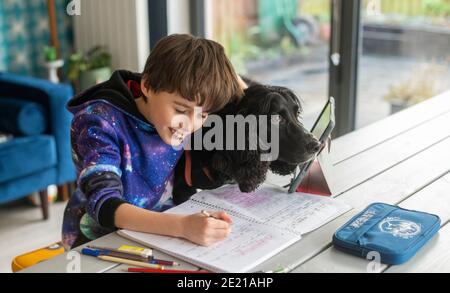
163,262
130,262
164,271
125,255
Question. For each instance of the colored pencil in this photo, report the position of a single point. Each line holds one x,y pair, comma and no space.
165,271
130,262
163,262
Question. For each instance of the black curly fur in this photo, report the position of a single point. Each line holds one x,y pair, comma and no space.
245,167
282,168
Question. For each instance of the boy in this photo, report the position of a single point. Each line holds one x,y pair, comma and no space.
124,137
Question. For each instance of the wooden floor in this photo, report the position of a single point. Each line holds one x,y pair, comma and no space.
402,160
23,230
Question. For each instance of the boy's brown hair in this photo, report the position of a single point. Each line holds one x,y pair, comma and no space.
195,68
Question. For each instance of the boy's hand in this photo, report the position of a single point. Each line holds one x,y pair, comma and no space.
204,230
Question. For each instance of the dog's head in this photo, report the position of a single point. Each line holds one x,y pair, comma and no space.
295,146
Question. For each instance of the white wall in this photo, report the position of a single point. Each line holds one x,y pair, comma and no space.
120,25
209,21
178,17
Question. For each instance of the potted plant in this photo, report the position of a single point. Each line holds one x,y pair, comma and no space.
86,70
421,86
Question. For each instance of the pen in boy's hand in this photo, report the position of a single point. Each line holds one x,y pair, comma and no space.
206,213
222,216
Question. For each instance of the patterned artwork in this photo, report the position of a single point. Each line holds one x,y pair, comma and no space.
24,31
3,61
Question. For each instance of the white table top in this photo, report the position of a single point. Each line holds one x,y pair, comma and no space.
403,160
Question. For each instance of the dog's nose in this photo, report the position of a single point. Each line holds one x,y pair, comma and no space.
313,147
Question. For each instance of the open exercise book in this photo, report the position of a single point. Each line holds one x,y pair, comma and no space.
264,223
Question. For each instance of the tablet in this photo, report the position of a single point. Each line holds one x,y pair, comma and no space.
322,129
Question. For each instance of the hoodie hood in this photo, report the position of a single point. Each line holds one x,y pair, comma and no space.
114,91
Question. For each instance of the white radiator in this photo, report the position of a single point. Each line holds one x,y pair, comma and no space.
121,25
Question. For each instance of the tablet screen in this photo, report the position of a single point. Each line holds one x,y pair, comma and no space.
323,122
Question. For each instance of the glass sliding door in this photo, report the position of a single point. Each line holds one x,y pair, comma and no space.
405,55
277,42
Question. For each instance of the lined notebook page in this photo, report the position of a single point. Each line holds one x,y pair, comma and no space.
264,223
248,244
298,212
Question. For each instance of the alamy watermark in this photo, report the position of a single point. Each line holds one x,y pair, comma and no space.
74,264
256,138
74,8
375,264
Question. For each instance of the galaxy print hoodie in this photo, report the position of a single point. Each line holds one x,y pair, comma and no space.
119,158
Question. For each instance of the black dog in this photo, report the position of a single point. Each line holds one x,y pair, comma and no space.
210,169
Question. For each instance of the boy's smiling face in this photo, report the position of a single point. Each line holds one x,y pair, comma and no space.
173,116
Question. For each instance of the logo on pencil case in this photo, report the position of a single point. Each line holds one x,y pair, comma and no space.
362,219
399,228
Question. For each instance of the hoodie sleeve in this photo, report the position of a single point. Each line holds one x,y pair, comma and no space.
96,154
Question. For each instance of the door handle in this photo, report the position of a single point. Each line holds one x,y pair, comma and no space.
335,55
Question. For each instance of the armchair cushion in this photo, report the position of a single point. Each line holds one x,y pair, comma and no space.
23,156
21,117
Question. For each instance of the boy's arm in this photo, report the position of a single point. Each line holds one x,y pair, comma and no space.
197,228
137,219
96,154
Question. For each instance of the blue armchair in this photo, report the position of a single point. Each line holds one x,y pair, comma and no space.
39,154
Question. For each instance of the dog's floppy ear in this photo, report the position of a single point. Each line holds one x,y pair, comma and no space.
221,164
249,170
258,100
244,167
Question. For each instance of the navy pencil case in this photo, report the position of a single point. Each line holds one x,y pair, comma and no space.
395,233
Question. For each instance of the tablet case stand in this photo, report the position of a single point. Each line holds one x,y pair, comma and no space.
315,182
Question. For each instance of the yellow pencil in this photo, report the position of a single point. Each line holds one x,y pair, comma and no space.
130,262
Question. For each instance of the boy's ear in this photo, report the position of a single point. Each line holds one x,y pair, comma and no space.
144,89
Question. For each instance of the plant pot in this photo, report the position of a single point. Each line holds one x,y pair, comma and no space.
92,77
53,67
